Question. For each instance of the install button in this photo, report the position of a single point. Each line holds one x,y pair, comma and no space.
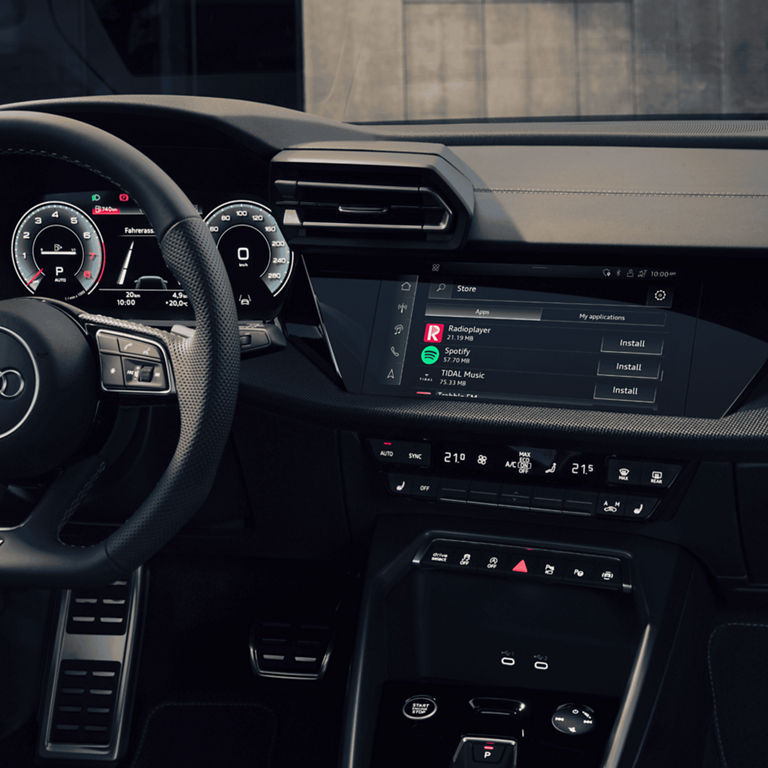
636,343
630,367
625,392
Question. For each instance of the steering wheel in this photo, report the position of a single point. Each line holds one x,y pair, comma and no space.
58,363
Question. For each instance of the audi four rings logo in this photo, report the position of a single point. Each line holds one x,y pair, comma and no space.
11,383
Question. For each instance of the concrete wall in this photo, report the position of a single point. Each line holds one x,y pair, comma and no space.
375,60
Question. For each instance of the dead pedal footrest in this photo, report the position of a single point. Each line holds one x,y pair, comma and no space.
86,704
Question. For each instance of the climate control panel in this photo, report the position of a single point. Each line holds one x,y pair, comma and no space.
525,478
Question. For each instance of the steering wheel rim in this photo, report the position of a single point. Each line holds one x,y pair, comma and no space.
205,367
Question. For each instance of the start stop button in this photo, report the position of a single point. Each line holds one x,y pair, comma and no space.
419,707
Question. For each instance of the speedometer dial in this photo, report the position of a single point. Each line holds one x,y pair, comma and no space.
251,246
58,251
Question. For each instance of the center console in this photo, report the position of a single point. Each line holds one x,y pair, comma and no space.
505,649
529,590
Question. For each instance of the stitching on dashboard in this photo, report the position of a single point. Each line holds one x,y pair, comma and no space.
718,734
621,193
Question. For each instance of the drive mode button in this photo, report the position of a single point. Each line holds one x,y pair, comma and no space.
636,343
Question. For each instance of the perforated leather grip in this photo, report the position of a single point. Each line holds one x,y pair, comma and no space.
206,365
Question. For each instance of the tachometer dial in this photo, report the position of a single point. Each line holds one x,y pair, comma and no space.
252,247
58,251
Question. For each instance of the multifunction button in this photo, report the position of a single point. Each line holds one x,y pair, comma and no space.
132,364
573,719
527,563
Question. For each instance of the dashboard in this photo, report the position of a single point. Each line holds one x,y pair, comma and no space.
520,361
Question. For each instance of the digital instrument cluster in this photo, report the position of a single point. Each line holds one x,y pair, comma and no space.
98,250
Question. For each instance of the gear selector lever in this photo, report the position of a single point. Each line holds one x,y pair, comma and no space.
475,751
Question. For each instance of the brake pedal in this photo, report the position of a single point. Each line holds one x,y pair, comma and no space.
85,713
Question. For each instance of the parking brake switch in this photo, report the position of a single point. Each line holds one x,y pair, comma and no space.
474,751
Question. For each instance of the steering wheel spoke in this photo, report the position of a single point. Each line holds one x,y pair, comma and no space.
134,359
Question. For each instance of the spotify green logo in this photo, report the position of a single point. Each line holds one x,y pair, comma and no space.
430,355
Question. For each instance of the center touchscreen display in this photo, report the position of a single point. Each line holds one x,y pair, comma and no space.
580,336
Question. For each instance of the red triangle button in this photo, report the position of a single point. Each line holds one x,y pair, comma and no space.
521,567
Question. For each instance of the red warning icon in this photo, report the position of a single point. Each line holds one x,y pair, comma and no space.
521,567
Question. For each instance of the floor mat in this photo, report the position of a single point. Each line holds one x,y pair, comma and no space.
200,735
738,669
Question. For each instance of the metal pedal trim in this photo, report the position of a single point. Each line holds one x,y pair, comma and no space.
90,647
292,674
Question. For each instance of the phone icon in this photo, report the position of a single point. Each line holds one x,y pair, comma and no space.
394,352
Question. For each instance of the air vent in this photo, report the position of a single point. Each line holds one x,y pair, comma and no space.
353,197
313,204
